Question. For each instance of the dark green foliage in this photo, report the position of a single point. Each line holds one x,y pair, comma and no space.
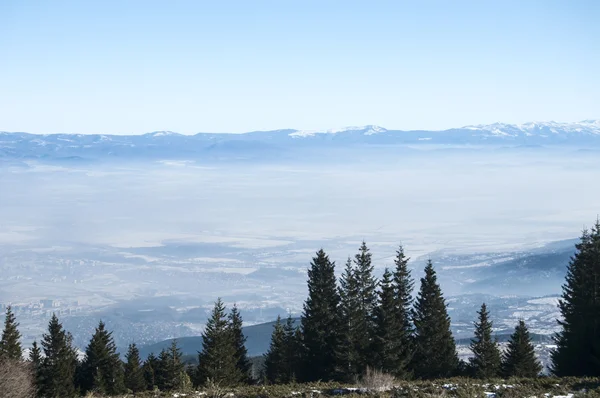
320,323
358,295
293,349
275,358
348,357
149,368
134,373
10,345
101,370
239,341
35,361
403,288
218,361
59,364
386,344
520,360
486,354
578,344
169,368
435,349
367,301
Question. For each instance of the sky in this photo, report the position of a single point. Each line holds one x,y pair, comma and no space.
131,67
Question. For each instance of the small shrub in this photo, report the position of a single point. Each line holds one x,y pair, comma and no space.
376,380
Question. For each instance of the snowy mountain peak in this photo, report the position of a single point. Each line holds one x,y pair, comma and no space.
365,130
590,127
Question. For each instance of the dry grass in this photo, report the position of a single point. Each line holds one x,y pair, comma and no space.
16,380
376,380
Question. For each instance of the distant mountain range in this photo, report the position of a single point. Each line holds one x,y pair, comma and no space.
170,145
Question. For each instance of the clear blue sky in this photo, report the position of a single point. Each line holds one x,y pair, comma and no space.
231,66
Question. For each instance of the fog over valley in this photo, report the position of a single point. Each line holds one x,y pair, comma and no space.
152,242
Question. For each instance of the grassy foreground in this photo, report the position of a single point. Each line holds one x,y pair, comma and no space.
459,387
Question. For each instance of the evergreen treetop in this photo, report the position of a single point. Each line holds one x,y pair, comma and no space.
239,341
133,372
486,358
10,344
218,361
435,349
59,363
101,370
578,347
519,359
320,322
275,356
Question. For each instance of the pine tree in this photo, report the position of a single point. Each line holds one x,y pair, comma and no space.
578,343
519,359
217,361
36,361
59,364
10,345
134,373
435,349
101,369
386,343
239,341
275,356
150,367
486,354
403,288
169,368
320,324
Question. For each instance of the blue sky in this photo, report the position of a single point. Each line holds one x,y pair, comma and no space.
131,66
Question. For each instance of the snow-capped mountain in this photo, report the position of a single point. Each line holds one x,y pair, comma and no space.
168,144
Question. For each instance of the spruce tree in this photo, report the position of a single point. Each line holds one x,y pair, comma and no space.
217,361
150,367
59,363
367,300
320,323
486,354
292,348
403,288
134,373
519,359
348,356
10,345
239,341
578,343
36,361
435,350
101,369
275,357
385,345
169,368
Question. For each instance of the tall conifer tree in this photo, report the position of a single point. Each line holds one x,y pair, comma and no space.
151,365
348,357
486,358
59,363
403,288
435,349
367,291
169,368
239,341
519,359
10,344
320,323
275,358
36,361
217,361
386,344
101,369
134,373
578,343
